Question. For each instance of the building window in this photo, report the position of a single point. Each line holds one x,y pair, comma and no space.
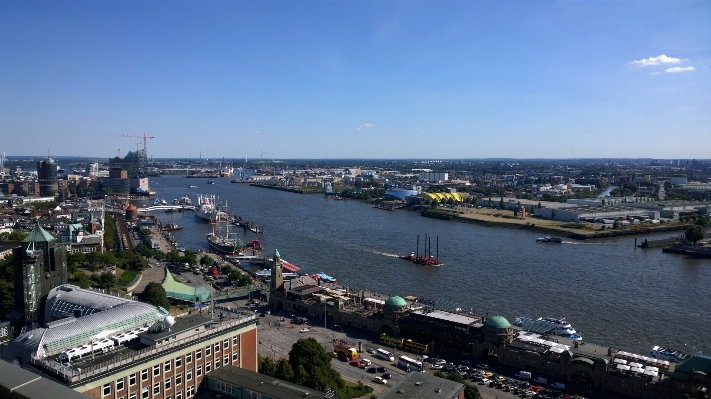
217,347
133,395
119,384
167,365
198,354
179,395
208,367
235,340
168,383
189,358
226,344
226,360
144,375
145,393
178,379
198,371
107,389
156,370
188,375
156,388
190,391
132,379
208,350
217,363
235,357
178,362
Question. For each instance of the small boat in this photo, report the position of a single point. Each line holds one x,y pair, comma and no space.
323,276
191,186
210,181
556,240
668,354
290,267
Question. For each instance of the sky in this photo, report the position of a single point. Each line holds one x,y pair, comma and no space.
357,79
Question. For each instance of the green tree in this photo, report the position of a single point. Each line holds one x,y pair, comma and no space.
155,295
266,366
205,260
703,221
107,280
173,256
190,257
695,233
501,203
13,236
109,232
284,370
490,204
81,280
470,391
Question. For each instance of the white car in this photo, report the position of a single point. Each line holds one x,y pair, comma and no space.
436,367
304,330
380,380
370,350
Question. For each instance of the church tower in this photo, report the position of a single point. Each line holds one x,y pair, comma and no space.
277,285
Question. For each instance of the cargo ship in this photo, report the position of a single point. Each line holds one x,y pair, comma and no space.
207,212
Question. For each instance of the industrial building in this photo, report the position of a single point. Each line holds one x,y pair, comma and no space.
109,347
433,177
47,177
592,213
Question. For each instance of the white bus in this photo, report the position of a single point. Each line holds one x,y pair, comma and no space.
409,364
385,355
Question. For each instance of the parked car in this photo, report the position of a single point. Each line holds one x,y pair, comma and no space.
387,376
465,361
372,370
371,351
436,367
482,366
354,363
540,380
558,385
381,369
380,380
304,330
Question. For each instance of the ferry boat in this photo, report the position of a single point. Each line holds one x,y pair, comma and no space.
563,328
548,325
668,354
207,211
556,240
266,273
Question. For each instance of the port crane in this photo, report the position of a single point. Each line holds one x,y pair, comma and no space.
144,137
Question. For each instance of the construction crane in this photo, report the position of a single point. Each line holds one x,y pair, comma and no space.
137,143
144,137
117,149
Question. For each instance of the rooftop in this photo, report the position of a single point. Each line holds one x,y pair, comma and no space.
451,317
261,383
423,386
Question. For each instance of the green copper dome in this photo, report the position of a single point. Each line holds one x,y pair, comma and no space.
395,301
497,322
276,254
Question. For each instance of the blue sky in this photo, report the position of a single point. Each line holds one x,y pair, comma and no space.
363,79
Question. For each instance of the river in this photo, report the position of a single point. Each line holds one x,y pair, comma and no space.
611,292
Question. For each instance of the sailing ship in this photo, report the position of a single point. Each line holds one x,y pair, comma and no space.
222,241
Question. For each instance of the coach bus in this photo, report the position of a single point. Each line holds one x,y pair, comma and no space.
409,364
385,355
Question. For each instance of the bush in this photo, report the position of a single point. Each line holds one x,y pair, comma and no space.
126,278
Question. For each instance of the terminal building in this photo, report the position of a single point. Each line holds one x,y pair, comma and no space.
109,347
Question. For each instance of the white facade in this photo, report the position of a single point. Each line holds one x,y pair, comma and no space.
434,177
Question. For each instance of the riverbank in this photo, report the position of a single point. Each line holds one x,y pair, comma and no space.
498,218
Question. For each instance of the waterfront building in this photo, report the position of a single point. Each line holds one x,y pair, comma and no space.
134,163
243,383
40,264
109,347
441,197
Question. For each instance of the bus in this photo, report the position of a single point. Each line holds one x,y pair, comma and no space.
385,355
391,341
416,346
409,364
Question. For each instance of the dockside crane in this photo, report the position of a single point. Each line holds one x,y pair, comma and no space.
144,137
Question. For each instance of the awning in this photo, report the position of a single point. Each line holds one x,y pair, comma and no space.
620,361
637,369
633,364
623,367
651,372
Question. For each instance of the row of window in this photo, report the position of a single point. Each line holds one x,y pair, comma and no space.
145,394
168,381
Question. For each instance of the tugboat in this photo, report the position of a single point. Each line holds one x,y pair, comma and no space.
556,240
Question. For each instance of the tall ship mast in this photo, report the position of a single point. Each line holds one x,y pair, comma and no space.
221,240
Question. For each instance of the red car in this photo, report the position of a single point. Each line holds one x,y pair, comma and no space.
355,363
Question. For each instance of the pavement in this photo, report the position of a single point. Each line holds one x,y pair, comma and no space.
154,274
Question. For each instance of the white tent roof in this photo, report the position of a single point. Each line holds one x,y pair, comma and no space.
623,367
620,361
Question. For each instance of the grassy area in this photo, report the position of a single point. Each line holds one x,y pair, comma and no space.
125,277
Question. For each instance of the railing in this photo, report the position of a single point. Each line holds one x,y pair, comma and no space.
72,375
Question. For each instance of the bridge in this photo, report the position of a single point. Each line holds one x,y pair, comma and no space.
178,208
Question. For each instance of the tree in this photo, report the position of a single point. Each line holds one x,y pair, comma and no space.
205,260
470,391
190,257
284,370
14,236
107,280
501,203
173,256
155,295
695,233
266,366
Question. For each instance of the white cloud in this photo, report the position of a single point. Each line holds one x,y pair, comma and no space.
662,59
365,126
655,73
679,69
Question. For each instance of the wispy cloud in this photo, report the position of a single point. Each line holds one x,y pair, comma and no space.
655,73
365,126
662,59
679,69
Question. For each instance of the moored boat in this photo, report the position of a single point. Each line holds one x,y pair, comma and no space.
207,211
290,267
668,354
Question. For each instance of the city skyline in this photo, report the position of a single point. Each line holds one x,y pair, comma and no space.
357,80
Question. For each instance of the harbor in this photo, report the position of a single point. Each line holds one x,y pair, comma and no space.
364,254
